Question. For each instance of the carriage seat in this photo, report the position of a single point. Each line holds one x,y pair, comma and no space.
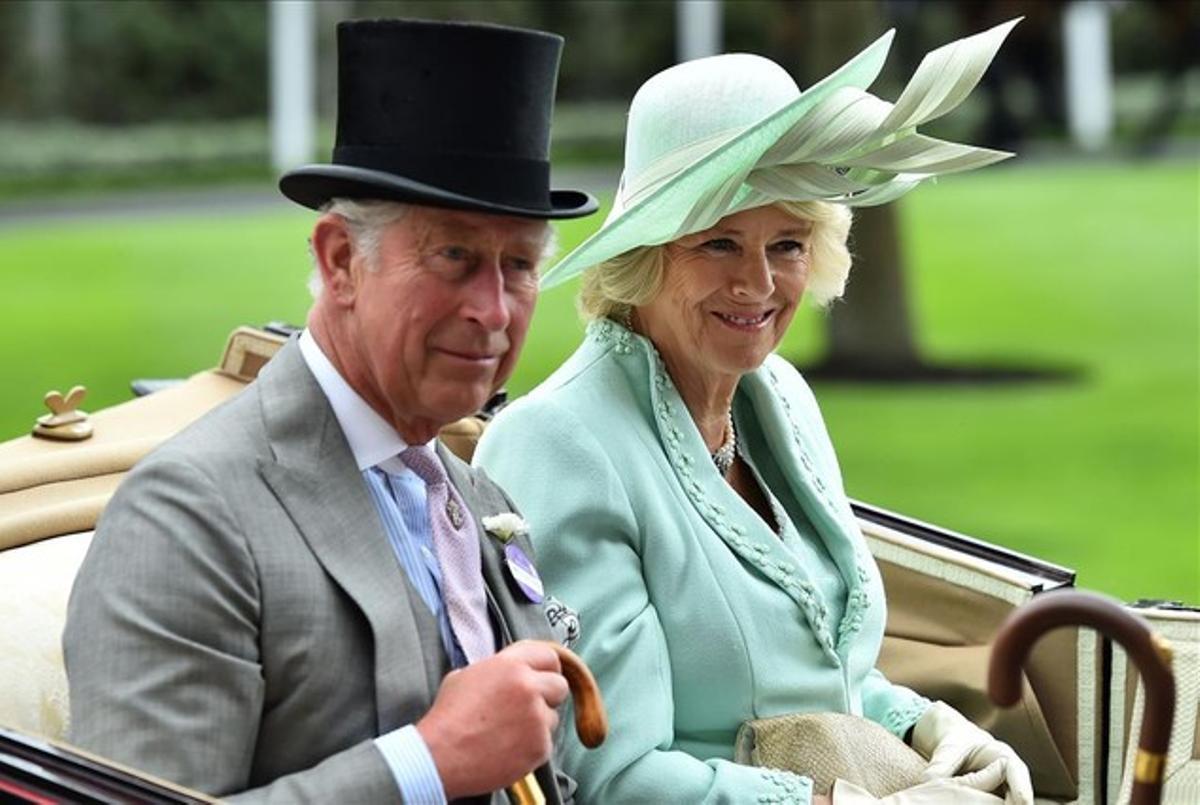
51,495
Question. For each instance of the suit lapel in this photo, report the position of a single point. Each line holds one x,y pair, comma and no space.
316,480
517,618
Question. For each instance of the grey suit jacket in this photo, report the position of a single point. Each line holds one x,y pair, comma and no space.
241,623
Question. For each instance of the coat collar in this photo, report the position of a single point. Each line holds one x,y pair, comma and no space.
818,488
315,478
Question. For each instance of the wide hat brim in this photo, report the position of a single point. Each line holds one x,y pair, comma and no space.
716,172
634,226
313,186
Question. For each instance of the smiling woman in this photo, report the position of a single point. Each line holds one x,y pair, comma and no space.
728,295
678,479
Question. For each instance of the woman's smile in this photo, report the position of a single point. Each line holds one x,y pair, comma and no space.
743,322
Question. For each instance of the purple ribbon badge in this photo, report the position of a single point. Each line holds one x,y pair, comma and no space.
524,573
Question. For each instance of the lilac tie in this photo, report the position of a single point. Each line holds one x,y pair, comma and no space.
457,546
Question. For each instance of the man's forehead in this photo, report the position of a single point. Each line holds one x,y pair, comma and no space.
438,222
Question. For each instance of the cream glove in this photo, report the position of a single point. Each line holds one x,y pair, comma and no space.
934,792
957,748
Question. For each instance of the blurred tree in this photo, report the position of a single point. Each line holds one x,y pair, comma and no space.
188,59
872,335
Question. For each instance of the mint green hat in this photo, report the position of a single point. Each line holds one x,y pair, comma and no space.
714,136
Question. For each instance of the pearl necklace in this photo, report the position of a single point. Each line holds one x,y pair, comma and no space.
723,456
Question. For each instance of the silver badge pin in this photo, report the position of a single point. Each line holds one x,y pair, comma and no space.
454,512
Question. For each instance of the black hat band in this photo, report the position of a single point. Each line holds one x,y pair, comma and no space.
510,180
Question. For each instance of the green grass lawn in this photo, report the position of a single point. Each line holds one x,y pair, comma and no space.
1087,266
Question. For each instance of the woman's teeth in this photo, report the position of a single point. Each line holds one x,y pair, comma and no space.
744,321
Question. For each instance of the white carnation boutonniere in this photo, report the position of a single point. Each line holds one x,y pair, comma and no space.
505,526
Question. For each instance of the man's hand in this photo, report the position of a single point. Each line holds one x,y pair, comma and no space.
493,721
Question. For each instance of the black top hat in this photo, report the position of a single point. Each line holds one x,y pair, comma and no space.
447,114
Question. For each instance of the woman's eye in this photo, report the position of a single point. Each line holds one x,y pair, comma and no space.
719,245
790,247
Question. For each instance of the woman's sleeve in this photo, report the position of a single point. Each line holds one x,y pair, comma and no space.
588,545
894,707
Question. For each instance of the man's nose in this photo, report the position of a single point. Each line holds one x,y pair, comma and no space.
753,280
486,301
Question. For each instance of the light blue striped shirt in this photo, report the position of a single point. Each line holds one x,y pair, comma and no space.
399,496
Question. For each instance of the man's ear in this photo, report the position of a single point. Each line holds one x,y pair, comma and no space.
333,248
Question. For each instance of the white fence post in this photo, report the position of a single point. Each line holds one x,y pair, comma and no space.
293,83
698,29
1087,60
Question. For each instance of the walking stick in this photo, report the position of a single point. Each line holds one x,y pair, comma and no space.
591,720
1151,655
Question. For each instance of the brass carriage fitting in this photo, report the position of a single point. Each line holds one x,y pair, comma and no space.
65,422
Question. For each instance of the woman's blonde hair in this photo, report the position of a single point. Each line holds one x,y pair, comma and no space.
612,288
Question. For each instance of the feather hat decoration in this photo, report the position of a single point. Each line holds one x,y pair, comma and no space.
715,136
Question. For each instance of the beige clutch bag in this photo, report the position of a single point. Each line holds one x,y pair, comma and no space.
828,747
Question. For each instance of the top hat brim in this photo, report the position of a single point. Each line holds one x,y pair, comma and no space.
315,185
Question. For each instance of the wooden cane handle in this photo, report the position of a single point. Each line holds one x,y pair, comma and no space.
591,719
1149,653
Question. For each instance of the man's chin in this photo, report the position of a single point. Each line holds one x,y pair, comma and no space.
453,406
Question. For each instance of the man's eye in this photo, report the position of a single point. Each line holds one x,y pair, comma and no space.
455,253
519,264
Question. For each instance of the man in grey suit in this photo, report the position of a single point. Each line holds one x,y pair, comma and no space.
293,600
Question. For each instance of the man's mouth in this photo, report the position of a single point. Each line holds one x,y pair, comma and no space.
470,355
745,323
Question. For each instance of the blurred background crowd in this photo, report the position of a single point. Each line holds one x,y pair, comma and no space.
1018,355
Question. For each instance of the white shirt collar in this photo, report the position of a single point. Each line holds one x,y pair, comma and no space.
372,440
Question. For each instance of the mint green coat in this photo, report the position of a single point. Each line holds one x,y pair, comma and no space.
695,615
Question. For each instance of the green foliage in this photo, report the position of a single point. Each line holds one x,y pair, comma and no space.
1094,267
139,60
184,60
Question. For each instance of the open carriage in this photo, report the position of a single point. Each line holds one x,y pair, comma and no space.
1076,725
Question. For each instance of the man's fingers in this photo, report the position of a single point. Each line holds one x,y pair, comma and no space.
553,687
537,654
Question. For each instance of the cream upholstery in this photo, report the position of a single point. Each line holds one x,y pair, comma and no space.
36,581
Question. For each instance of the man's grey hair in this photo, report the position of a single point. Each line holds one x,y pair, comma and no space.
367,219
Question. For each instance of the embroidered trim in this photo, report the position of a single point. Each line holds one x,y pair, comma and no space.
610,332
857,601
781,572
788,788
899,719
857,598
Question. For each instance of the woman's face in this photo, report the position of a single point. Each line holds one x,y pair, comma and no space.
729,293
